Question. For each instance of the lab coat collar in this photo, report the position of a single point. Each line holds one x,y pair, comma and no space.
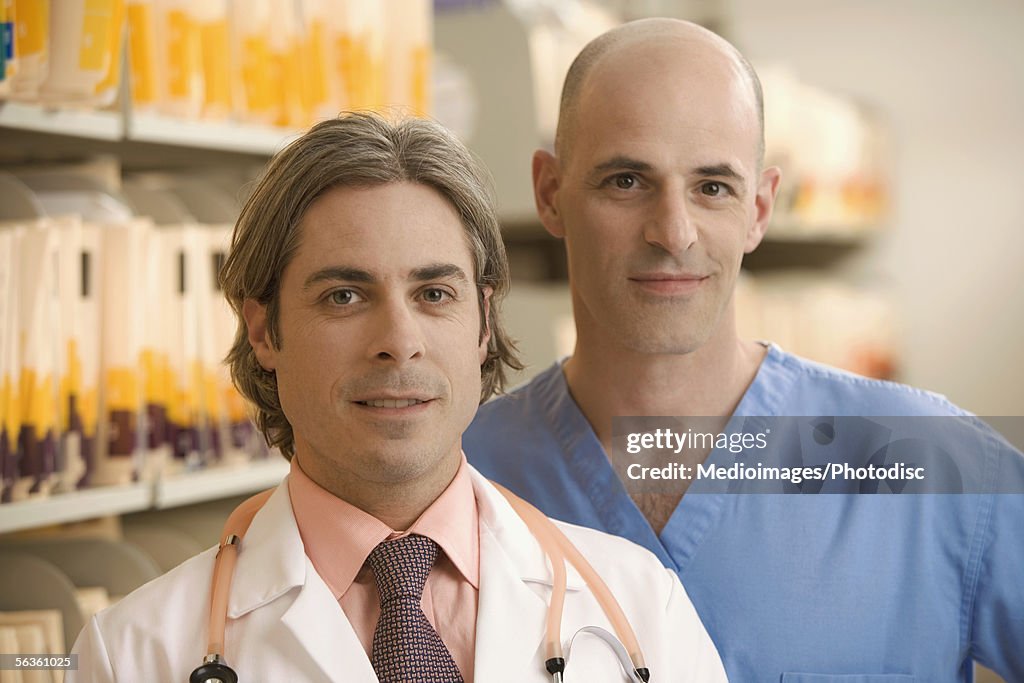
271,559
517,543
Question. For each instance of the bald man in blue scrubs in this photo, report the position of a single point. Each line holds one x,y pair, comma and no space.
658,188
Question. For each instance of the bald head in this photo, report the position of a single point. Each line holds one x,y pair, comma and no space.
692,43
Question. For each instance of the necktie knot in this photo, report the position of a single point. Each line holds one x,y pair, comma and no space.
401,566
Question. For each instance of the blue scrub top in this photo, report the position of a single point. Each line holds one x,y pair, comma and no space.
799,588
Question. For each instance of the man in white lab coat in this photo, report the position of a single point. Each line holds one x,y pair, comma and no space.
367,270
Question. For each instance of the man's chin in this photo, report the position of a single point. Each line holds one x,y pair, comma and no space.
404,463
660,329
661,337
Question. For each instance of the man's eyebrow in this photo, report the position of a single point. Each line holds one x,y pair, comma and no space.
620,162
342,273
719,171
439,271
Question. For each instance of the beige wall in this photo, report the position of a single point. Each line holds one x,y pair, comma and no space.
949,77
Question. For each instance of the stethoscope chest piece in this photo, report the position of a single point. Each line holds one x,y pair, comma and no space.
212,670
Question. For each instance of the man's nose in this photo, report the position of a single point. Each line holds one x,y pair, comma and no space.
397,334
671,227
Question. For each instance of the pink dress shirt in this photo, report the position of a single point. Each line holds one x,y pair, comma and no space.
338,538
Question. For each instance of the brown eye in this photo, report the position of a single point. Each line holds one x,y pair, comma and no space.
625,182
435,295
342,297
714,189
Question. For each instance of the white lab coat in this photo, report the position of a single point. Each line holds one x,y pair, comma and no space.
284,624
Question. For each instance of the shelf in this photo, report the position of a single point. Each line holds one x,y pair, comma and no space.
839,236
222,136
221,482
112,126
181,489
75,506
96,125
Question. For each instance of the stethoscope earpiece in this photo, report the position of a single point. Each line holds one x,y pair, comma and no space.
214,671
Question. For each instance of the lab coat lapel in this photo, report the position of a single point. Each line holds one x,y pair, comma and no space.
319,624
511,613
273,562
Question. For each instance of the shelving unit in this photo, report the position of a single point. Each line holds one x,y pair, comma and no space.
30,131
202,171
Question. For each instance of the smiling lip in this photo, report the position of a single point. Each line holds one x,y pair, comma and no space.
395,406
669,283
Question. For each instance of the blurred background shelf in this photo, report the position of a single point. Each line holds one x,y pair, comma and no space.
75,506
221,136
220,482
24,128
803,233
819,248
173,491
96,125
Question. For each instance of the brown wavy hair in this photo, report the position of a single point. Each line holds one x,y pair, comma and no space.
355,150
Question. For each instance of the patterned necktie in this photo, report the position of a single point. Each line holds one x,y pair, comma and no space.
406,648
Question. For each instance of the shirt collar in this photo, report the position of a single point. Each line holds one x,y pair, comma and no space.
338,536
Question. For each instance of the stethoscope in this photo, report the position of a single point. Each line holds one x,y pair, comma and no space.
554,543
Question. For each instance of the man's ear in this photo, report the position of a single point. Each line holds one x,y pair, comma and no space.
485,321
546,179
255,315
764,202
